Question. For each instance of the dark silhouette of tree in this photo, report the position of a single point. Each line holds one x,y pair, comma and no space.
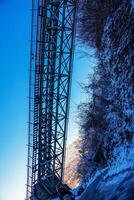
92,16
93,125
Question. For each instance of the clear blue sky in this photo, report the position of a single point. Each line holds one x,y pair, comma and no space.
14,63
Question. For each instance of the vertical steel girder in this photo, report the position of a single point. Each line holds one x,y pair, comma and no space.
52,46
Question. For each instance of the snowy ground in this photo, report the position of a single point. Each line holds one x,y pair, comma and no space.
115,182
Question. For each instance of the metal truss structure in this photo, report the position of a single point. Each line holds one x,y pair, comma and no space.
52,46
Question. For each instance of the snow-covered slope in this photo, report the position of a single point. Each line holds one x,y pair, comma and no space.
115,181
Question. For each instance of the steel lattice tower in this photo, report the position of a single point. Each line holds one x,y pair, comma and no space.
52,45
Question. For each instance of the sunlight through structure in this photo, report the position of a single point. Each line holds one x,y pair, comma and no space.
52,46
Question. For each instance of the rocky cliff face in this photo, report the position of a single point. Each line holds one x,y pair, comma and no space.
117,66
117,60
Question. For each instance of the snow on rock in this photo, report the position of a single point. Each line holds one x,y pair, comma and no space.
117,179
115,182
117,59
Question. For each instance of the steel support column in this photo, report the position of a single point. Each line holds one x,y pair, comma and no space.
52,45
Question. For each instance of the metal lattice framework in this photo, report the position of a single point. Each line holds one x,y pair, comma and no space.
52,44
